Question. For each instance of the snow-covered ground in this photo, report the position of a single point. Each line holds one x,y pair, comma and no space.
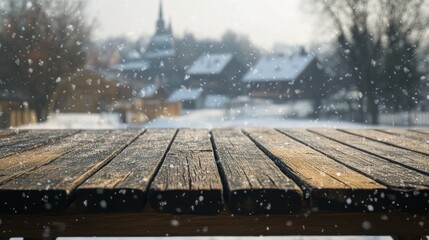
217,118
240,114
79,121
250,114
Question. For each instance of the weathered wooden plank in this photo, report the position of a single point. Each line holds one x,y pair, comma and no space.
419,130
254,184
23,136
122,184
407,158
23,142
408,188
151,223
8,133
48,187
406,133
15,165
423,131
398,141
188,180
328,184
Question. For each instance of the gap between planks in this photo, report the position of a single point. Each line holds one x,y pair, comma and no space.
253,183
122,185
188,181
391,139
398,156
329,185
36,191
408,189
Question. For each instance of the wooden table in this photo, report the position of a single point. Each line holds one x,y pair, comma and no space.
185,182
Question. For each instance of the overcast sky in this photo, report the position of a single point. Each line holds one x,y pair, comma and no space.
266,22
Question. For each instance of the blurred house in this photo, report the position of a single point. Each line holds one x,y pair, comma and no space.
134,72
150,103
297,76
153,92
191,98
89,92
14,110
216,74
216,101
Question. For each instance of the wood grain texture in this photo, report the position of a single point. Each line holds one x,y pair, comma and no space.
254,184
44,170
329,185
8,133
29,140
418,130
408,189
10,139
415,161
12,136
122,184
151,223
407,133
188,180
16,165
48,187
398,141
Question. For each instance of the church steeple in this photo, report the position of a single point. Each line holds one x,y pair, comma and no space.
160,26
160,14
170,28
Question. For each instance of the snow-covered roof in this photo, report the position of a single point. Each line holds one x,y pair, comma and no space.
278,68
210,64
165,38
149,91
161,53
216,101
133,55
161,46
141,65
79,121
185,94
5,94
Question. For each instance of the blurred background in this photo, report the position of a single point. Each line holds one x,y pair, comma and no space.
213,63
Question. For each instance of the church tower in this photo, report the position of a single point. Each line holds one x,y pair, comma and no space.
160,25
170,29
161,51
161,48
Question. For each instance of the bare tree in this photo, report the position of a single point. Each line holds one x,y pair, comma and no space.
377,41
43,42
406,27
